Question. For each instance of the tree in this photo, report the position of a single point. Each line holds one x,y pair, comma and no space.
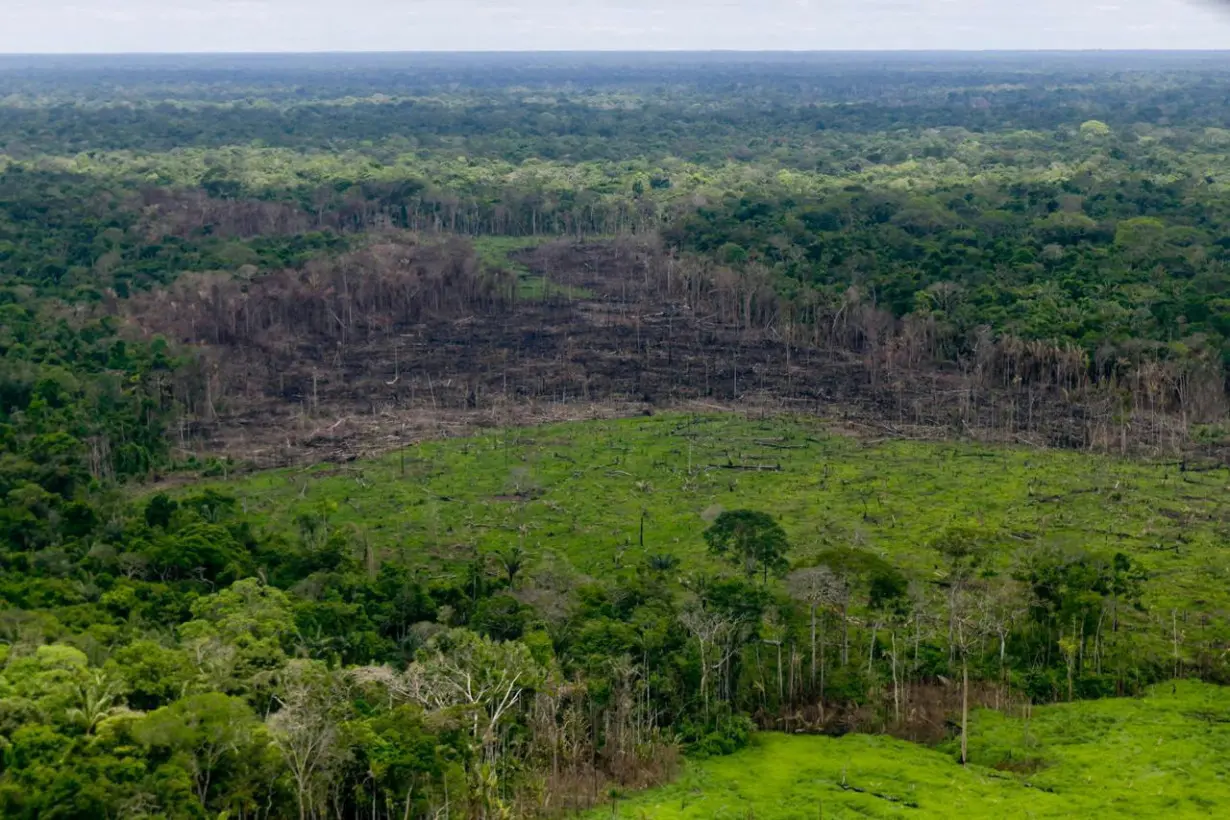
56,678
512,560
307,729
663,563
159,511
208,730
98,698
862,571
773,631
474,679
962,548
155,675
458,670
401,753
969,627
501,617
1094,130
239,632
818,587
1004,604
752,538
709,628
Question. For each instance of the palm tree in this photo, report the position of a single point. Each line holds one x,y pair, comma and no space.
513,561
663,563
98,698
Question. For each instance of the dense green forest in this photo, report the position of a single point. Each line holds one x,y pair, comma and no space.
952,259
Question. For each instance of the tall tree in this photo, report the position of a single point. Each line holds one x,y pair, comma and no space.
968,616
208,730
752,538
307,730
819,588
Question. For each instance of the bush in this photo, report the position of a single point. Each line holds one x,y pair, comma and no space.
720,736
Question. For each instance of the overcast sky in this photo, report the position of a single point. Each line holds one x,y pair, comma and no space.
28,26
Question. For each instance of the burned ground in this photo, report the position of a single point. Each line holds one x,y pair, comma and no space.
412,340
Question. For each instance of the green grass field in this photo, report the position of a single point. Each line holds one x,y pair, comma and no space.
575,494
1164,756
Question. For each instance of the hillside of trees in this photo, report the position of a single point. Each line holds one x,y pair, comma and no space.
210,265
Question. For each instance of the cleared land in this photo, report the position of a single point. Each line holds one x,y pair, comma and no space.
501,333
576,495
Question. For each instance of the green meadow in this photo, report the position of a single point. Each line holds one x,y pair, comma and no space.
597,495
1166,755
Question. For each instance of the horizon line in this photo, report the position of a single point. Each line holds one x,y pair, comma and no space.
784,51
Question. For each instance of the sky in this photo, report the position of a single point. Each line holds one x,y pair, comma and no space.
111,26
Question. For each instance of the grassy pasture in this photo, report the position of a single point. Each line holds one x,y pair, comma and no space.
1162,756
594,495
